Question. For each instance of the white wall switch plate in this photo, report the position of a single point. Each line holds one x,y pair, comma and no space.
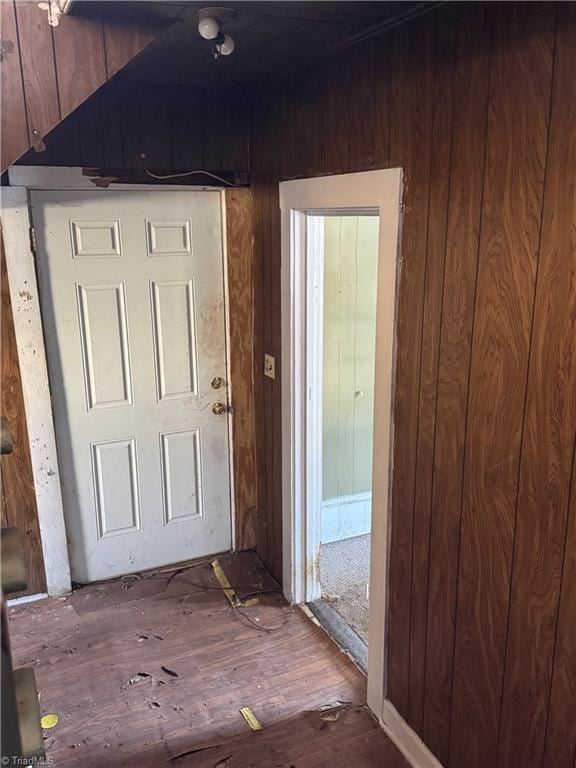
269,366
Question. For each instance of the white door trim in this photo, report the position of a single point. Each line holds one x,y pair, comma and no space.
35,387
28,328
375,191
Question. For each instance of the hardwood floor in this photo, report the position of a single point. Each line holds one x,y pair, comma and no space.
152,670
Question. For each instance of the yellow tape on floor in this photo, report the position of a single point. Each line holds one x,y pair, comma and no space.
251,718
229,590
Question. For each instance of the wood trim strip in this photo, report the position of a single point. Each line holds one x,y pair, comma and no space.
18,492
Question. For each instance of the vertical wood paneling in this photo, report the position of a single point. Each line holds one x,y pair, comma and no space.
39,70
444,44
142,107
108,101
299,120
455,331
550,417
235,139
273,289
516,152
464,330
186,130
63,140
410,147
124,39
287,99
212,113
18,494
262,310
91,136
459,432
13,125
560,746
311,94
240,253
335,114
382,82
362,105
126,119
48,71
559,247
80,60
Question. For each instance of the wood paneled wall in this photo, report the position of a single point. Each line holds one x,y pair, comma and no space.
18,496
240,262
477,102
48,68
131,124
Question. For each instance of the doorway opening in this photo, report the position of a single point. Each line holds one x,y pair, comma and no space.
345,245
339,280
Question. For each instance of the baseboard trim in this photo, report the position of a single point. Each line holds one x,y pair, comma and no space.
26,599
406,739
345,517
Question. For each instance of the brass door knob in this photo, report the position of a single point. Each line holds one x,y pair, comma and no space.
217,382
218,409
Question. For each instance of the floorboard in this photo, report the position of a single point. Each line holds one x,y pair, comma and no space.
152,670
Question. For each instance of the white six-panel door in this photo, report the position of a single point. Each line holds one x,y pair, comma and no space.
133,308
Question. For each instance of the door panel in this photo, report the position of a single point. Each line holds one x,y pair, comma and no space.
133,308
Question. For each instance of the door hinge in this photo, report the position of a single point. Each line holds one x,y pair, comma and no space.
33,240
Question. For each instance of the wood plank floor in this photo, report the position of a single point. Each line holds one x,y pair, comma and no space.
153,670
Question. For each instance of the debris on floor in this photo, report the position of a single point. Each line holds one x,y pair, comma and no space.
161,669
344,735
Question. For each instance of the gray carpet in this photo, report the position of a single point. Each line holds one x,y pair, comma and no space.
344,577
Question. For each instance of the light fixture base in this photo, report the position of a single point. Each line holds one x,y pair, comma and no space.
221,14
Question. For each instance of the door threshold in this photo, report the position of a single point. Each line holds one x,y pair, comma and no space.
342,634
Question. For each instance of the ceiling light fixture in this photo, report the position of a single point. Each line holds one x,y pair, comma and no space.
208,28
211,22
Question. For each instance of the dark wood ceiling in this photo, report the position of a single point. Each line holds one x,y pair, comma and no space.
271,37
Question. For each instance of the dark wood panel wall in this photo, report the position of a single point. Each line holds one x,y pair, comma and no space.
51,63
477,102
131,124
17,496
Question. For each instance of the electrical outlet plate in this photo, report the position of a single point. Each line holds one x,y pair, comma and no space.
269,366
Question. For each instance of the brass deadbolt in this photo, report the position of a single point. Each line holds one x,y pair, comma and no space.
218,409
217,382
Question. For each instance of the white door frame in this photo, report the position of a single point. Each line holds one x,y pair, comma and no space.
28,328
301,425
